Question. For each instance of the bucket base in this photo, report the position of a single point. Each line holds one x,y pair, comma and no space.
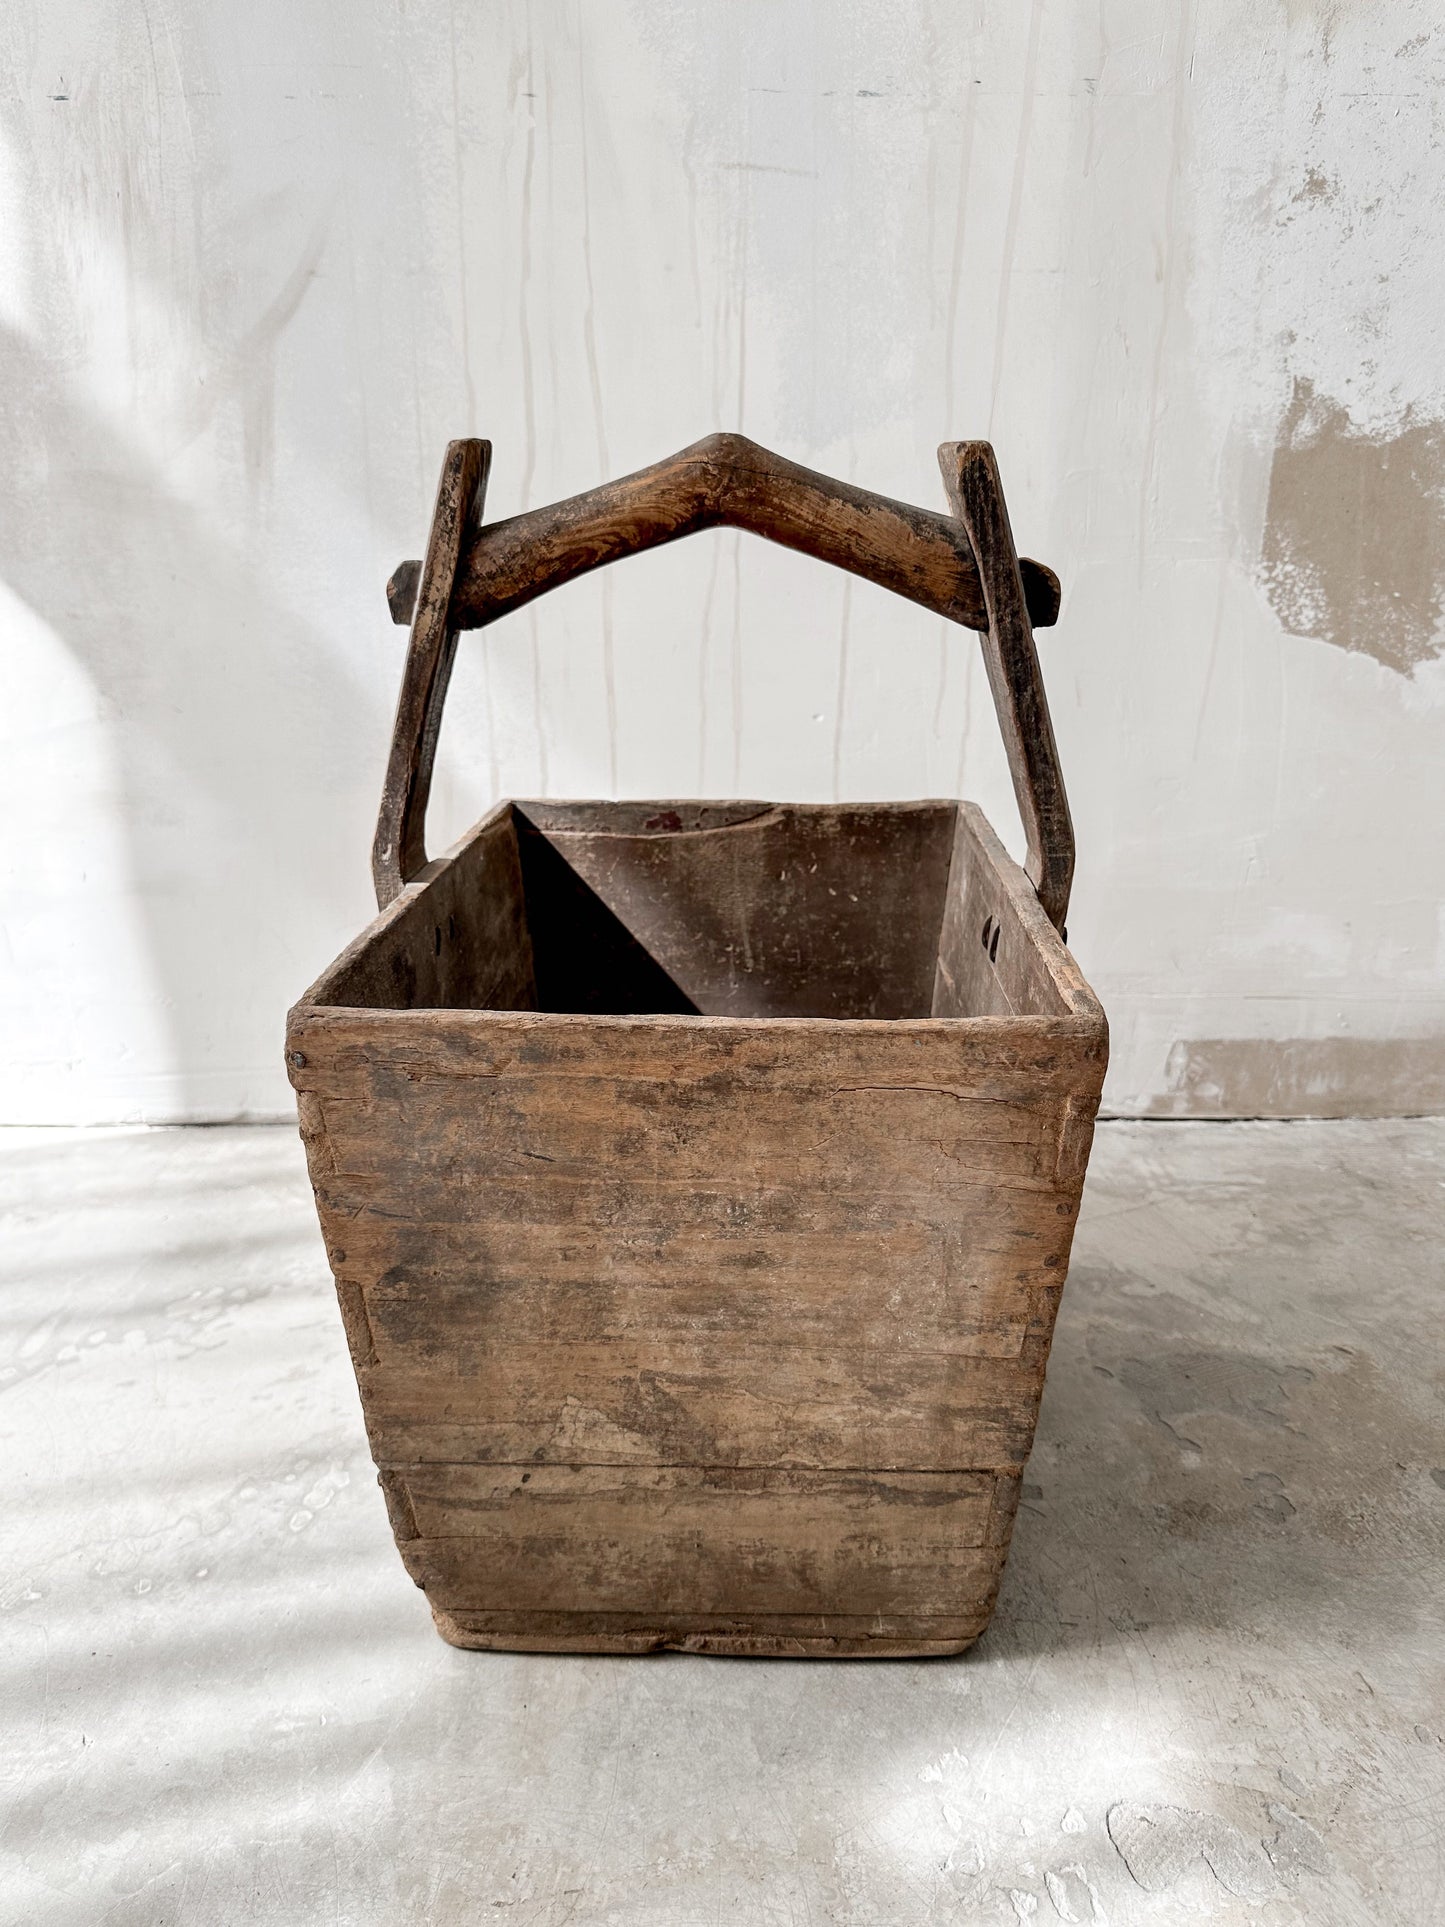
799,1638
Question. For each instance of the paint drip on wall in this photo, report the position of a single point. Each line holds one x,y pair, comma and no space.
1354,539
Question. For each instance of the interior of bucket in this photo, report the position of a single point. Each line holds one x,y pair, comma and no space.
892,910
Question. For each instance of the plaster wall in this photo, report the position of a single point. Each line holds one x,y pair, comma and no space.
1180,262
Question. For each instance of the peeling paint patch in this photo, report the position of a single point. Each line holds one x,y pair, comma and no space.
1075,1897
1304,1077
1317,187
1354,538
1296,1848
1160,1845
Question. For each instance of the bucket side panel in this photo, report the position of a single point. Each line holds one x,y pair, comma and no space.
733,1341
998,954
457,939
792,911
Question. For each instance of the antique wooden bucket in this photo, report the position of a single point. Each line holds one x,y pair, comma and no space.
699,1178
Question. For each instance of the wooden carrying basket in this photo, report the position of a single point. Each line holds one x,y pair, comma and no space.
699,1178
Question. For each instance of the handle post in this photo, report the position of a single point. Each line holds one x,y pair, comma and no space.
971,477
399,848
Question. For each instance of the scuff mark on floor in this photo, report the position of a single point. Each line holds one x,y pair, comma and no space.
1178,1385
1273,1503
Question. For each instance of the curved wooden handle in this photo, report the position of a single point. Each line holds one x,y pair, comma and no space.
723,481
963,567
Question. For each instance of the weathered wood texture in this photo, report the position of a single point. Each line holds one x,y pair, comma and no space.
398,849
750,911
964,568
716,1323
463,943
699,1178
970,474
723,481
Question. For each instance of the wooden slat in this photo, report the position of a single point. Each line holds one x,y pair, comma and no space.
691,1539
776,1635
828,1634
705,1401
439,1291
610,1205
889,1139
984,1057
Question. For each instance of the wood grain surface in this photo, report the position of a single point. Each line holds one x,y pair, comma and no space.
970,474
723,481
963,567
398,849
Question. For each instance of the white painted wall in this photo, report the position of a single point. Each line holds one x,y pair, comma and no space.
1181,262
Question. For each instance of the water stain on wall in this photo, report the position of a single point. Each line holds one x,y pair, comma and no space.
1304,1077
1354,539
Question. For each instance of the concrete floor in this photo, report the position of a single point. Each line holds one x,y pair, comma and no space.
1214,1689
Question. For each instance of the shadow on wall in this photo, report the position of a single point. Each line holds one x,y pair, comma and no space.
215,694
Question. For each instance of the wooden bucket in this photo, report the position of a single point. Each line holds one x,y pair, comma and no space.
699,1178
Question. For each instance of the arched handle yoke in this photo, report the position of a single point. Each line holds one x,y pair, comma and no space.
723,481
963,568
